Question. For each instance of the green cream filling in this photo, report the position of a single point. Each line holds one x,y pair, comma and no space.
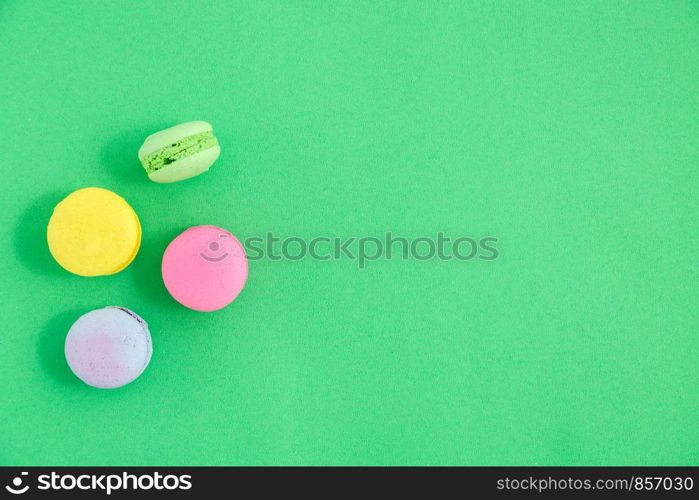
177,150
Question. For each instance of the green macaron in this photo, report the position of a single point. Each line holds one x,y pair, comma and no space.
180,152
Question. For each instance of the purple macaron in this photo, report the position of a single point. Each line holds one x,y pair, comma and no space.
109,347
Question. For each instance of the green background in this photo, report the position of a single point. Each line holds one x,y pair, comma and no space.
568,130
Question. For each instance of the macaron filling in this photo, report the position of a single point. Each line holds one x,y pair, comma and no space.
183,148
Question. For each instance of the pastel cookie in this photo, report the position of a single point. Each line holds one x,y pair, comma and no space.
108,348
179,152
94,232
205,268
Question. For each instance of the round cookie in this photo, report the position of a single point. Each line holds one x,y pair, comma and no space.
108,348
180,152
93,232
205,268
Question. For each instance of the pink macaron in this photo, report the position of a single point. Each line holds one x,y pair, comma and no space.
205,268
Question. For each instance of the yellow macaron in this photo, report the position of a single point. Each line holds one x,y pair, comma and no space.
94,232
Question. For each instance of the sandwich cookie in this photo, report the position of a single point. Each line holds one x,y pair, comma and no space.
108,348
179,152
94,232
205,268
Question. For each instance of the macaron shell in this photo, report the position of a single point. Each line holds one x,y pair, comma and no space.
159,140
205,268
108,348
94,232
186,167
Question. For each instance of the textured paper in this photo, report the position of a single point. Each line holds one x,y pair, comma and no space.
567,131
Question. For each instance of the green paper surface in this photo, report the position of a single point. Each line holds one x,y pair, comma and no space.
566,130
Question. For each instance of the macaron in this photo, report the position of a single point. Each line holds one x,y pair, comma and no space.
180,152
205,268
94,232
108,348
